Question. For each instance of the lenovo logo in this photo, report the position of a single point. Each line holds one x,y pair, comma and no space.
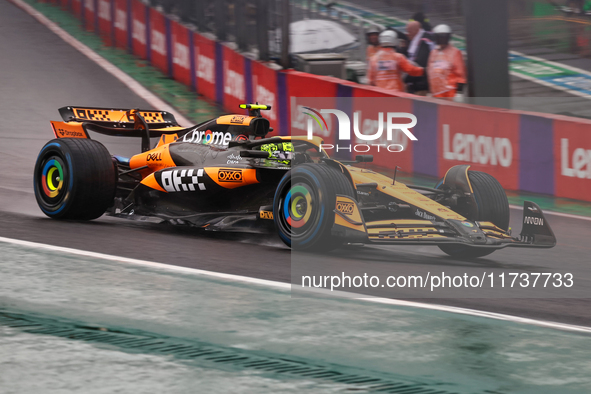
158,42
577,165
121,20
205,68
234,84
139,32
181,55
104,10
479,149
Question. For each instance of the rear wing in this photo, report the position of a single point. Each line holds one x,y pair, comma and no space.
117,118
115,122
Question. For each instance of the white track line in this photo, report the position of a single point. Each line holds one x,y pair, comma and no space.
131,83
287,286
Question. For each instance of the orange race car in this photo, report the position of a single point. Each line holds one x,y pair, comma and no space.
224,174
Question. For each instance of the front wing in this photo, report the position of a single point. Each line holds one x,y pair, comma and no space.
350,226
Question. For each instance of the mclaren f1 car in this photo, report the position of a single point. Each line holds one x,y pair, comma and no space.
225,174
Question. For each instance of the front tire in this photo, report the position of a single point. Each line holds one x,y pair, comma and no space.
493,206
304,204
74,179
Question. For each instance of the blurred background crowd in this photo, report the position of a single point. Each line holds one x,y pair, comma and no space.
340,38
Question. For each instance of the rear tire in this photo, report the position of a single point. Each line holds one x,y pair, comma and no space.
304,204
493,206
74,179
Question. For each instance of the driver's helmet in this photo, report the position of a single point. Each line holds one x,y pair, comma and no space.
282,152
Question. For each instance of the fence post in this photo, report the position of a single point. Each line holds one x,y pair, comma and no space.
262,19
221,12
285,19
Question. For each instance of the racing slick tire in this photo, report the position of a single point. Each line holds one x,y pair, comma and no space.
304,205
74,179
493,206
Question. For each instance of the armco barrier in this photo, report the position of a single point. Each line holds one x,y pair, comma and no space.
530,152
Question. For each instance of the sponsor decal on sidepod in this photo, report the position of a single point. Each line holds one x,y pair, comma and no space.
182,180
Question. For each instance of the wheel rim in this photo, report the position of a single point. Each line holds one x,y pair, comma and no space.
52,180
299,209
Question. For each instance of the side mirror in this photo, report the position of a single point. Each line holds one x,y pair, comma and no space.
364,158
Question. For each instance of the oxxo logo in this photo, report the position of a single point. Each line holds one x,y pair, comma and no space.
229,175
345,207
473,148
578,165
345,130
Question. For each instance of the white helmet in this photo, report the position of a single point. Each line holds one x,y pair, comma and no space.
388,38
373,30
442,29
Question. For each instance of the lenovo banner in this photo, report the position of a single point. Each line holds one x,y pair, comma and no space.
264,87
77,7
181,53
158,41
205,73
572,159
122,30
89,14
234,79
487,140
105,16
139,29
299,95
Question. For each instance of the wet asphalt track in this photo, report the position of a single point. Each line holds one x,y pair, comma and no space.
40,73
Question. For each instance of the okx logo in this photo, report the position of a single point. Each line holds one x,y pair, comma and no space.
388,124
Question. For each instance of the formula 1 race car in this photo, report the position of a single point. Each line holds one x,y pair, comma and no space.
224,174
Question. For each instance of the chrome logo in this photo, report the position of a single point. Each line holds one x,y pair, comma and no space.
52,178
208,137
297,207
